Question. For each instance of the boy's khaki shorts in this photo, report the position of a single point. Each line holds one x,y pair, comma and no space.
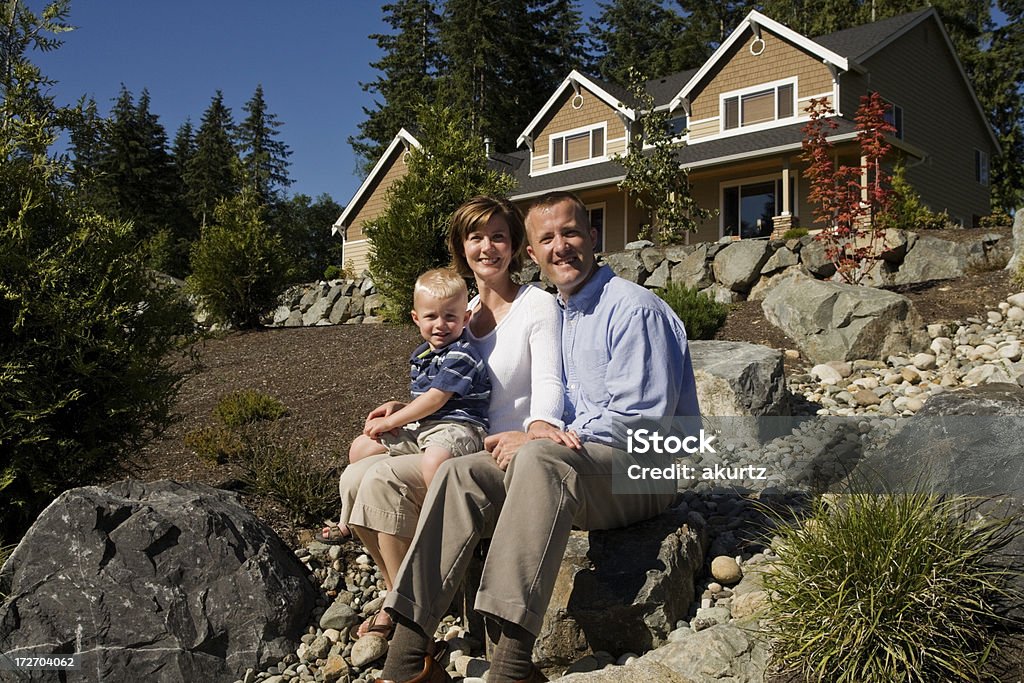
458,438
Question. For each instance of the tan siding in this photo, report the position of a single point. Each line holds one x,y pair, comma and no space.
699,129
375,201
616,146
539,163
918,73
594,111
357,256
740,69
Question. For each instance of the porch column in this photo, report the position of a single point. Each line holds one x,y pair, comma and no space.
784,221
786,209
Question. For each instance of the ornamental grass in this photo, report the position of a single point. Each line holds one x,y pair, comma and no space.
907,587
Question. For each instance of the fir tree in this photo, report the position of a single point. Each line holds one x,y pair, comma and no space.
184,147
86,132
706,26
639,34
407,69
264,157
212,173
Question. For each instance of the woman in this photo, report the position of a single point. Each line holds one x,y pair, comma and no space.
517,331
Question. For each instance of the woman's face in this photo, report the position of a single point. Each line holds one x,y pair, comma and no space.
489,249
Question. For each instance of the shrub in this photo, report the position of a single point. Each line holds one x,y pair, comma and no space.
334,273
996,219
247,406
216,444
701,315
888,588
305,483
239,265
794,233
85,331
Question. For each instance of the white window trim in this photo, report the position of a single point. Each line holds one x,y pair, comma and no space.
604,228
983,179
771,85
561,135
737,182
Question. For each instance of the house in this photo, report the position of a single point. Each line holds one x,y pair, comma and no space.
741,116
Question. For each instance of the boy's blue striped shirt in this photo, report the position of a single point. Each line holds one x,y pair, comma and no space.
459,369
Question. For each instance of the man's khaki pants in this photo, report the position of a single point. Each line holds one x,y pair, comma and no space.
527,511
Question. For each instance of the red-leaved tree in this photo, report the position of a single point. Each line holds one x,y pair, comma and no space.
849,200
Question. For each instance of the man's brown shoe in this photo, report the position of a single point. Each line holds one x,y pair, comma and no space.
432,673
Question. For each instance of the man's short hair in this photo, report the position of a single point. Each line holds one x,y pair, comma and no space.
553,198
441,283
472,216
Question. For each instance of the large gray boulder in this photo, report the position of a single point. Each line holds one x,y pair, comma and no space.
832,321
739,264
739,380
627,264
622,589
156,582
694,271
726,653
1018,242
931,258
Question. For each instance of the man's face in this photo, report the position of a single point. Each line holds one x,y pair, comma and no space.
562,244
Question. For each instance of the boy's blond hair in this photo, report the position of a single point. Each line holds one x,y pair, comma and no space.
442,283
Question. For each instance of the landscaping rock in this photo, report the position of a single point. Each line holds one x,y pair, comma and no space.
739,265
155,581
782,258
622,589
727,653
627,264
813,258
931,258
735,379
831,321
693,271
1018,243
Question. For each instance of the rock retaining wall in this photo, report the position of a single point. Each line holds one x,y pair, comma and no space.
726,271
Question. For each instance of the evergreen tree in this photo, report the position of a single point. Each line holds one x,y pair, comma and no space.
706,26
305,226
998,81
184,148
211,175
563,44
84,330
264,157
407,69
137,179
86,132
409,237
642,34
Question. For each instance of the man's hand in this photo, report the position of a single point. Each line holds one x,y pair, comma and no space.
542,430
503,446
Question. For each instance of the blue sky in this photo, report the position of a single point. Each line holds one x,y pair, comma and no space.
309,56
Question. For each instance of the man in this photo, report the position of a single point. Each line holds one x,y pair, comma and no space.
625,357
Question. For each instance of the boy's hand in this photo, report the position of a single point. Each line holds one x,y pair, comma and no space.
375,426
384,410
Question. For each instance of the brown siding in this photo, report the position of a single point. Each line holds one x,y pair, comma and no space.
740,69
918,73
374,202
563,117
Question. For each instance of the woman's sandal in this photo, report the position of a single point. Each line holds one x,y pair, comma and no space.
370,627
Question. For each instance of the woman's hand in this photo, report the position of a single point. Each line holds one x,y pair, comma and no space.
542,430
504,445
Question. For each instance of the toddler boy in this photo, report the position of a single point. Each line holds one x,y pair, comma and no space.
449,384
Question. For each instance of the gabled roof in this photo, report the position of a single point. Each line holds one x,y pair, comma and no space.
403,138
667,87
755,21
859,42
614,96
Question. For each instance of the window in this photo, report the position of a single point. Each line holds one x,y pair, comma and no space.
596,214
758,106
676,125
748,210
894,117
981,167
577,146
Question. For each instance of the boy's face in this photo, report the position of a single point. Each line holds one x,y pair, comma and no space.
440,320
